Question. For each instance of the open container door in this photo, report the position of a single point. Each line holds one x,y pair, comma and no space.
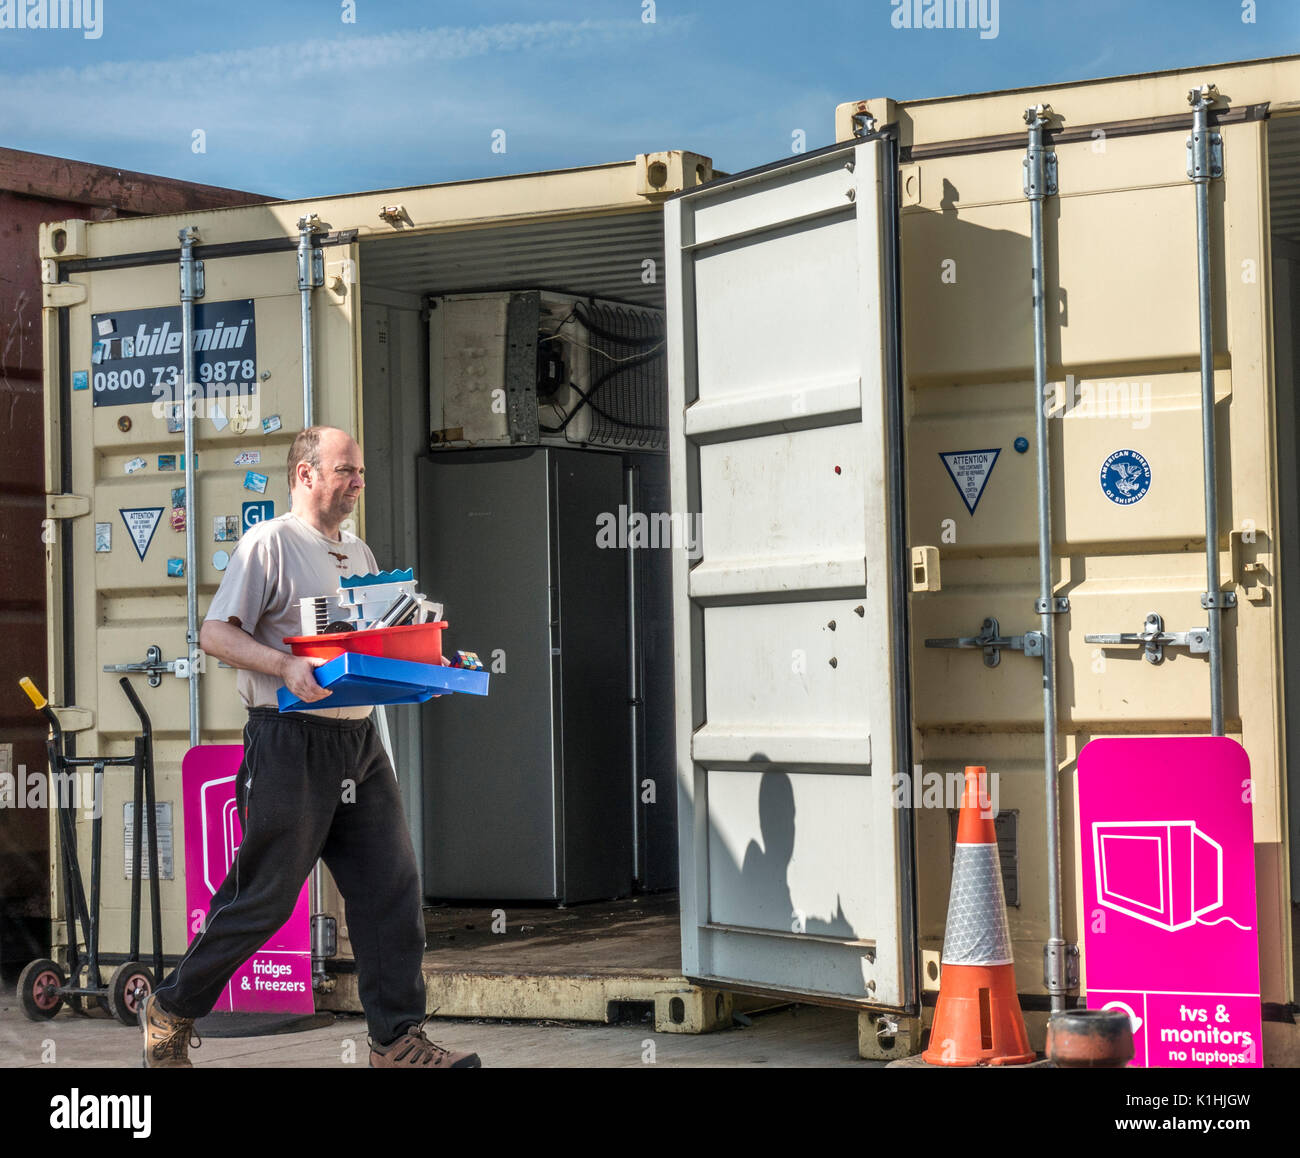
793,715
118,563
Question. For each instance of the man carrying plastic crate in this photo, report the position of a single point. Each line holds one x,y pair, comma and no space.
289,791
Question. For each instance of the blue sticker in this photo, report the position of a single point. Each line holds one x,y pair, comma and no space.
255,513
81,379
176,568
255,482
969,471
1125,477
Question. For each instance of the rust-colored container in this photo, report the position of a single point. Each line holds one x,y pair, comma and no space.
1090,1039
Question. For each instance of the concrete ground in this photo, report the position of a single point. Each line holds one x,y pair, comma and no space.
797,1036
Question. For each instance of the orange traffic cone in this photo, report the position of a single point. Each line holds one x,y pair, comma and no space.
977,1020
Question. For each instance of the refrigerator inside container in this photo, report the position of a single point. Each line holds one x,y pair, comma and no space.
528,792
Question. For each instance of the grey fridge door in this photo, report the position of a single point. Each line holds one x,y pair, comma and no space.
526,795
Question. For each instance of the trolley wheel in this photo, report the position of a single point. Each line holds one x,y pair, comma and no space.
127,988
35,989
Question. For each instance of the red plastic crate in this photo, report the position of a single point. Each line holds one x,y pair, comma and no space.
417,642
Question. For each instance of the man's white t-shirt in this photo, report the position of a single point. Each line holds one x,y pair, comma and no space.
277,563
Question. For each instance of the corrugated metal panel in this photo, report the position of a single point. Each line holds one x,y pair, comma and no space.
1284,177
591,253
114,192
24,832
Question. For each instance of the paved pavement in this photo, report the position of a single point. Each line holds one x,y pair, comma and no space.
799,1036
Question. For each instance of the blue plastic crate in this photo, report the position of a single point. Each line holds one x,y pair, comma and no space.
361,680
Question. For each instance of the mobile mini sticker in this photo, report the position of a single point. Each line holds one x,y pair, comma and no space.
1125,477
141,523
970,471
248,458
255,482
135,464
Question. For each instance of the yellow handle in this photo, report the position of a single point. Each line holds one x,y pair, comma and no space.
32,694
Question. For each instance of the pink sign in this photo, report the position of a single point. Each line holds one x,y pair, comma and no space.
1170,928
277,978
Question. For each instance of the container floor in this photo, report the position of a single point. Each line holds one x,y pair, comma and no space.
635,934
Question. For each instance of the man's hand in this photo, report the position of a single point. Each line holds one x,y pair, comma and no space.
298,674
230,642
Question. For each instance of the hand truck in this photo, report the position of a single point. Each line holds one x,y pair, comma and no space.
43,986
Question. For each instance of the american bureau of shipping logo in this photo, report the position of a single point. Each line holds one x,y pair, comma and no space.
1125,477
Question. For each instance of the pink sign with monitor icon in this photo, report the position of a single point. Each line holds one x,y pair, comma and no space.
1170,926
277,978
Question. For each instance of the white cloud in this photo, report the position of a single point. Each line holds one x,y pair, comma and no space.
360,110
136,99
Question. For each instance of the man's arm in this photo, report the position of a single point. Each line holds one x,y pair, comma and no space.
239,649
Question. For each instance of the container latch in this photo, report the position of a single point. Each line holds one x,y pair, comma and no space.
1155,639
155,665
992,643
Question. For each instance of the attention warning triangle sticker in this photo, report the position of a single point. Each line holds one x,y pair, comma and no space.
141,522
969,471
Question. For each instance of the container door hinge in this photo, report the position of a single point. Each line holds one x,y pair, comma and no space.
59,294
191,270
311,258
1204,149
154,665
1040,161
1205,161
992,644
66,506
1155,639
74,719
1060,967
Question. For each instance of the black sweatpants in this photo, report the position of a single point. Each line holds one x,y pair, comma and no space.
295,807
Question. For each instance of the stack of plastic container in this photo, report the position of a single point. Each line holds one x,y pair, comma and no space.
383,641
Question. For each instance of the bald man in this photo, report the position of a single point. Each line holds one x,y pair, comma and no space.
293,804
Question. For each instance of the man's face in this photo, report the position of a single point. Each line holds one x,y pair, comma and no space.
337,484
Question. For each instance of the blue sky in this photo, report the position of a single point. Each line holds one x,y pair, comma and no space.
294,101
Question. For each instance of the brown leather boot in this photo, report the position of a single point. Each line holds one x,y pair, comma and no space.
413,1050
167,1038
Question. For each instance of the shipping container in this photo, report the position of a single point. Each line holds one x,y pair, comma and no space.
33,189
482,254
851,416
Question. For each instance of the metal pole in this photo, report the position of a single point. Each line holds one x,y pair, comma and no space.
1202,169
308,258
191,290
1040,183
